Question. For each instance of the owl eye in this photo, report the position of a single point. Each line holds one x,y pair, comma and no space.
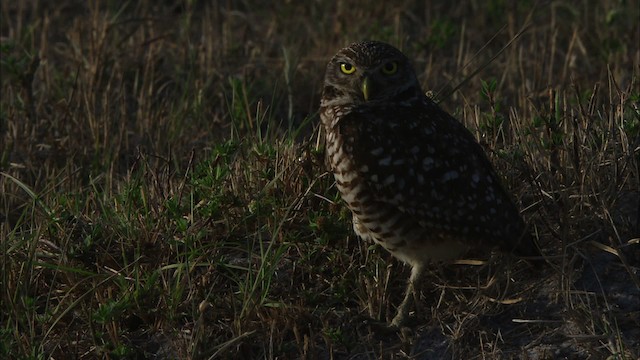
347,68
390,68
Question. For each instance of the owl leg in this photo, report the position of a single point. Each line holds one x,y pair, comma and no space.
411,295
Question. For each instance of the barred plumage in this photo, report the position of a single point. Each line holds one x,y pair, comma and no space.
414,178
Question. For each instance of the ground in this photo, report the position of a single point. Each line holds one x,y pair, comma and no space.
163,191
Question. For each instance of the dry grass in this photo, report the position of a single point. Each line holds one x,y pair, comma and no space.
163,194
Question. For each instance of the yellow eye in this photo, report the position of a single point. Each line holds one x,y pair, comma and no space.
347,68
390,68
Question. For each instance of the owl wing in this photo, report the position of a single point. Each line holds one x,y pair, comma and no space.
429,166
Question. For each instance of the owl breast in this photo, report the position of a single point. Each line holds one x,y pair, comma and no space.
374,218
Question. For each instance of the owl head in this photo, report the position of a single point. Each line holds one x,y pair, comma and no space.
369,72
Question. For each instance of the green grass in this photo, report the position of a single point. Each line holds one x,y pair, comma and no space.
163,192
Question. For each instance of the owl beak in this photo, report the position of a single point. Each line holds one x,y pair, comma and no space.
366,88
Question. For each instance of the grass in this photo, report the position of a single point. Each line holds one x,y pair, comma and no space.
163,192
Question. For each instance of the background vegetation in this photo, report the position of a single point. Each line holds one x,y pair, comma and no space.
163,192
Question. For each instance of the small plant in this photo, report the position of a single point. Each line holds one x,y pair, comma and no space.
492,123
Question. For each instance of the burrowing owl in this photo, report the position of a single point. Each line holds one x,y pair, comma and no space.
414,178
